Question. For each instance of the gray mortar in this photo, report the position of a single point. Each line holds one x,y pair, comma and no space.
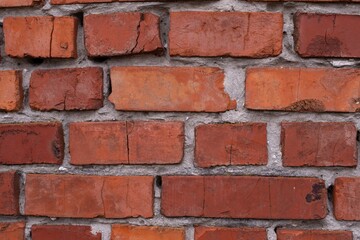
234,85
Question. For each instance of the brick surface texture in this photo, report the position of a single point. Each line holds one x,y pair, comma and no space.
179,120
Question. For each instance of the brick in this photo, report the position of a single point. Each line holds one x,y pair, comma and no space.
216,233
66,89
303,89
319,144
137,142
312,1
326,35
9,192
40,37
11,93
179,89
31,143
18,3
125,33
78,196
346,198
61,232
249,197
295,234
12,231
235,34
127,232
231,144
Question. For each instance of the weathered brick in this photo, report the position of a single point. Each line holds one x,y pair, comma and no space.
31,143
11,93
327,35
236,34
346,198
40,37
244,197
231,144
217,233
125,33
62,232
179,89
18,3
127,232
66,89
294,234
9,192
303,89
137,142
319,144
78,196
12,231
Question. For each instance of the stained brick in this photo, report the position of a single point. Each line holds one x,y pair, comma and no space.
31,143
179,89
231,144
243,197
62,232
303,89
327,35
9,200
319,144
78,196
236,34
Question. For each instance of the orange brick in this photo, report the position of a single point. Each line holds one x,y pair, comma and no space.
78,196
231,144
346,198
216,233
62,232
127,232
292,234
303,89
236,34
12,231
18,3
139,33
11,93
40,37
179,89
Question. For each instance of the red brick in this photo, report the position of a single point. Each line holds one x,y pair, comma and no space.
231,144
236,34
40,37
312,1
244,197
179,89
31,143
216,233
292,234
66,89
346,198
12,231
9,192
126,142
19,3
61,232
319,144
125,33
303,89
11,93
322,35
78,196
127,232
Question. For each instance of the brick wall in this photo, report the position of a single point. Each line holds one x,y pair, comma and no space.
179,120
